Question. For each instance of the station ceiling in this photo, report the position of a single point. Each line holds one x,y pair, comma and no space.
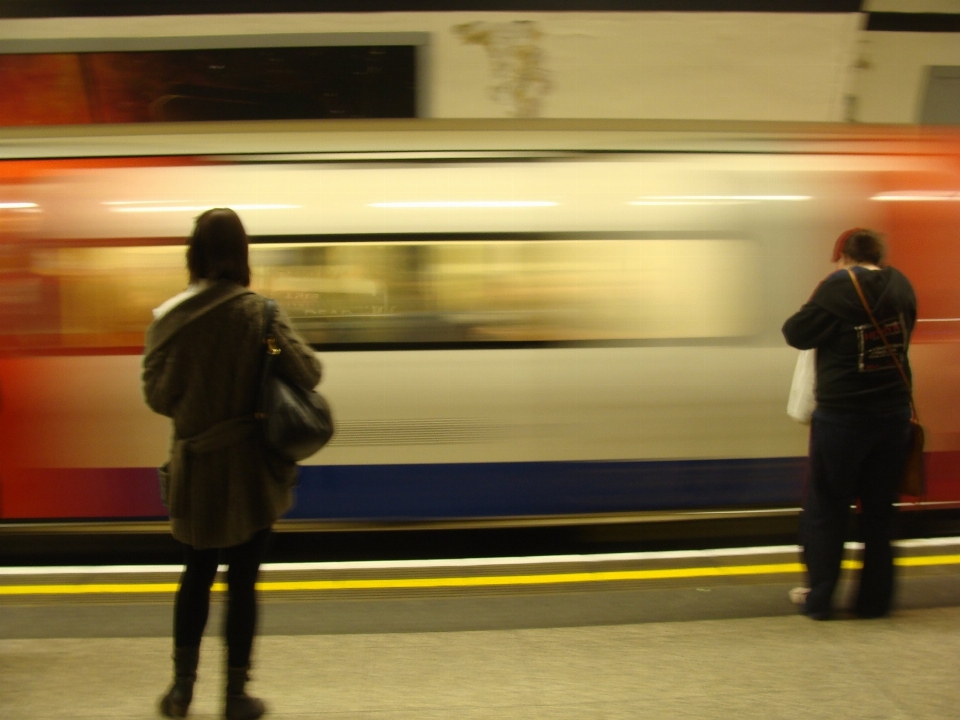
106,8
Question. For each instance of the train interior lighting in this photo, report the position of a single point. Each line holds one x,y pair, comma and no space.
918,196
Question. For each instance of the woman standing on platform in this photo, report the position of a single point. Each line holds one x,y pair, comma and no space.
860,431
223,491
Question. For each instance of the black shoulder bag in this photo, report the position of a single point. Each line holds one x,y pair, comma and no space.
295,423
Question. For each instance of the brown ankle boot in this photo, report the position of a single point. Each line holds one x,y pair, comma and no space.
241,706
177,700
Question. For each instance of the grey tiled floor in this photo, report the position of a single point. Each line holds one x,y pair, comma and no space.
904,667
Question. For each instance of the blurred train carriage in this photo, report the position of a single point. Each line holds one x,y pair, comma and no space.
517,320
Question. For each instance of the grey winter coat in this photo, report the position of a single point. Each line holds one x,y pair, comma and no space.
201,367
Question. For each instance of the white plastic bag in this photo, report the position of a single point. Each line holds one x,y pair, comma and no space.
803,390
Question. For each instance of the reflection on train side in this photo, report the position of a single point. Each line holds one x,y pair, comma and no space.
411,292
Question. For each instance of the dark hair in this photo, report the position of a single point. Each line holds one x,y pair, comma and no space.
860,245
218,248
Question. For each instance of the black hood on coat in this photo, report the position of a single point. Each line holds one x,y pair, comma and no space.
887,291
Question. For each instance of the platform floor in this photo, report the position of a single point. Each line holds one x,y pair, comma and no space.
702,648
904,667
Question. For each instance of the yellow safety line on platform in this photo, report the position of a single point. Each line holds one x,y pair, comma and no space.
470,581
927,560
551,579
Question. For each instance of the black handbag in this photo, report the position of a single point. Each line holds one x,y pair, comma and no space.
295,423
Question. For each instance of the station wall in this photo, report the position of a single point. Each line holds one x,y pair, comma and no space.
891,68
724,66
892,78
821,67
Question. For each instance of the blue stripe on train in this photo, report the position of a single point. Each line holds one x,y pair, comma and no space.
422,492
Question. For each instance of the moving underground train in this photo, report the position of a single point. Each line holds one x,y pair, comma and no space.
517,320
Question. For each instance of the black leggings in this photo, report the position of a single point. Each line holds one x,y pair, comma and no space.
193,598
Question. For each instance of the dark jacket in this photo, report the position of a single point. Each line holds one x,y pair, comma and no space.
855,373
201,367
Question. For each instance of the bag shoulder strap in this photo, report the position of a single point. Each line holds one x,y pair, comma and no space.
269,312
876,325
270,350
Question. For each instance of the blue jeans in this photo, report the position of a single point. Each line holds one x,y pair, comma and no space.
852,457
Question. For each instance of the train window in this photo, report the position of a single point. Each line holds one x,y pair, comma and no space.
421,293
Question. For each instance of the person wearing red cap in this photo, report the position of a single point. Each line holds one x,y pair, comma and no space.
860,431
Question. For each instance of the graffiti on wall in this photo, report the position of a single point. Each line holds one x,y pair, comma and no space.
519,80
